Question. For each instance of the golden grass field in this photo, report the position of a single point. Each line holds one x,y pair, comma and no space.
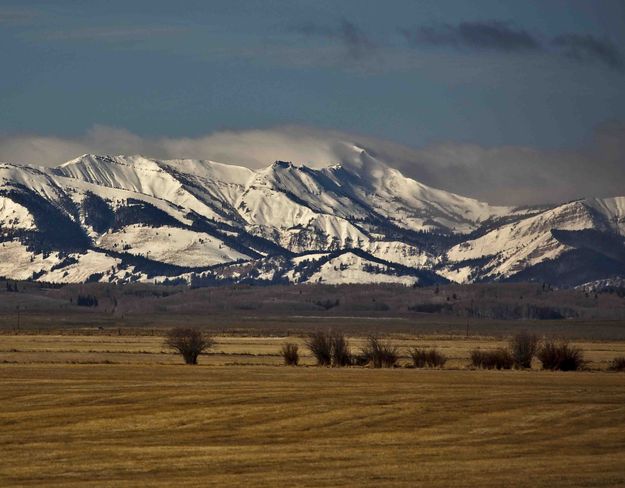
146,347
107,410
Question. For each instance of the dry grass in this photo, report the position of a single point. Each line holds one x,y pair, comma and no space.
137,425
260,350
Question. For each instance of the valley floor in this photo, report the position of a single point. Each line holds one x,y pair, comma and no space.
246,348
137,418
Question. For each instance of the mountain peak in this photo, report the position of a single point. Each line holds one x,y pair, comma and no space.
83,158
182,214
93,158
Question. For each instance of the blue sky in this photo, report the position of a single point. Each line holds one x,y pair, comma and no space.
536,74
188,68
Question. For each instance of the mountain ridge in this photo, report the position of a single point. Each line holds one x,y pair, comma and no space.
133,218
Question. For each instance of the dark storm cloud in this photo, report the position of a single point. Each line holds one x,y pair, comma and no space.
355,40
505,37
488,35
585,48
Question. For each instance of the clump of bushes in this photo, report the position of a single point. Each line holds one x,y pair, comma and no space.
497,359
618,364
332,349
329,348
430,358
560,356
290,354
523,348
379,354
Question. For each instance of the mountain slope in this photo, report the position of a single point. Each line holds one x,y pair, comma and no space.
130,218
514,248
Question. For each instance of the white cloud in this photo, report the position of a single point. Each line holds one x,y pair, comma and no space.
503,174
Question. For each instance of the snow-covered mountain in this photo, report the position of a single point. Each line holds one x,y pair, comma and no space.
131,218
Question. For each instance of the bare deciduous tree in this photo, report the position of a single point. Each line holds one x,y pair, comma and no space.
189,342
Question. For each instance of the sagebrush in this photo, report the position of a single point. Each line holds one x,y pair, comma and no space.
329,348
561,356
320,346
496,359
290,354
523,348
380,354
430,358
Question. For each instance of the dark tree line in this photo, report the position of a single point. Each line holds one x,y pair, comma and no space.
12,287
87,301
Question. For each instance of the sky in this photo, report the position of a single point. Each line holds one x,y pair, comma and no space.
506,101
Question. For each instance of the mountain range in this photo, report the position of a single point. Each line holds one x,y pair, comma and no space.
130,218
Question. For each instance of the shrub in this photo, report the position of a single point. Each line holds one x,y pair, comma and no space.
329,348
618,364
430,358
523,348
497,359
380,354
340,350
477,358
561,356
188,342
320,345
290,354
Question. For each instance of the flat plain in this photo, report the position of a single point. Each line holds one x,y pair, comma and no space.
100,409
